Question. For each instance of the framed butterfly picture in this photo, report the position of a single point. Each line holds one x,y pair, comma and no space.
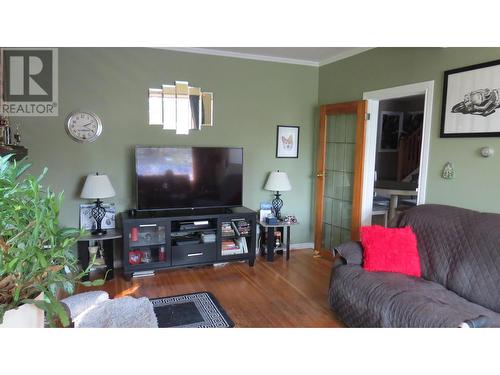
287,141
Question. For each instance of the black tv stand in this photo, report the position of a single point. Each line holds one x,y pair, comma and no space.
155,240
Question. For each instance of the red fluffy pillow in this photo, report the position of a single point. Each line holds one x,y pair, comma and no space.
390,250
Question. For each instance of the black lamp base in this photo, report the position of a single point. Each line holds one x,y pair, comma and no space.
98,213
98,232
277,204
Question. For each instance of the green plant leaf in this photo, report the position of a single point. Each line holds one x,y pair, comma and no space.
22,169
17,292
97,282
42,175
42,260
12,264
39,249
57,308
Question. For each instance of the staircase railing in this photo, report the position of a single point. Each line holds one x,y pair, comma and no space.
409,153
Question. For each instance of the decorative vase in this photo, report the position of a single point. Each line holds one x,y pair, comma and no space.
25,316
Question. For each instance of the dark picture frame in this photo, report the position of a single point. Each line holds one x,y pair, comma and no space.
477,114
287,141
390,130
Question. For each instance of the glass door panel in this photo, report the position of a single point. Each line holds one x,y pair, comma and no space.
147,244
339,176
147,235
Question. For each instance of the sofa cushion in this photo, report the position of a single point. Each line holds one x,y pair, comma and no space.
390,250
383,299
459,249
351,252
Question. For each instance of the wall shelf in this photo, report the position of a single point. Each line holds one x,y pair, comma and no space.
19,152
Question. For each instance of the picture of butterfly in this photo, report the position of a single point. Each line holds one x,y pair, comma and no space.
287,142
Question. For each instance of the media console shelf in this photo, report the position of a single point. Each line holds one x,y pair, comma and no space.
174,239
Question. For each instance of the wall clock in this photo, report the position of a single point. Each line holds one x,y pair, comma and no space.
83,126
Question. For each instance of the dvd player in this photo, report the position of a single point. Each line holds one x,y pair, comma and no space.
200,224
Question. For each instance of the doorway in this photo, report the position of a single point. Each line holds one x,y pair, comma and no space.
396,150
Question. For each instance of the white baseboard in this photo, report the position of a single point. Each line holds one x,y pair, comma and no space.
299,246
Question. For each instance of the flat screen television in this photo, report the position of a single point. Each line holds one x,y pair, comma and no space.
188,177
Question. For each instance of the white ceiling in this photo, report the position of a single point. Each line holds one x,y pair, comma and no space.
312,56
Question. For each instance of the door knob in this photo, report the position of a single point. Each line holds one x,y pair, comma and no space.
321,175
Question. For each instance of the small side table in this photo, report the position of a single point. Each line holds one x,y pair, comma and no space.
108,244
270,239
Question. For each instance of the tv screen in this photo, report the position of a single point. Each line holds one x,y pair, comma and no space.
188,177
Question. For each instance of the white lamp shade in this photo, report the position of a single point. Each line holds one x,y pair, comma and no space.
278,181
97,186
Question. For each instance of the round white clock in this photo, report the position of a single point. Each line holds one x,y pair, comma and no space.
83,126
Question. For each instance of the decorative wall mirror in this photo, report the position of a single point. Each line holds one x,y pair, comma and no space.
180,107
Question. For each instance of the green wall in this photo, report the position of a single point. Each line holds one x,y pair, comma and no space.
477,182
251,98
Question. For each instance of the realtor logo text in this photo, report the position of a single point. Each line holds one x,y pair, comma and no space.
29,82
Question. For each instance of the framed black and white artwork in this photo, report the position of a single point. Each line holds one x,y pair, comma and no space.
471,101
87,222
287,141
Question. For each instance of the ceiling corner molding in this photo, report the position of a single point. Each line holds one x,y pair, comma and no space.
344,55
283,60
238,55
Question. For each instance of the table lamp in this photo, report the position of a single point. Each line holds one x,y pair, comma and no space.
97,186
277,181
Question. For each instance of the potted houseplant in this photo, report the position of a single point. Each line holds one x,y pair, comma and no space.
36,256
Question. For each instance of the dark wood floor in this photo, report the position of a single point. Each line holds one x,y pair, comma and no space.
270,294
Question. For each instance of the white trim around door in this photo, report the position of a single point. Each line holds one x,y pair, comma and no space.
373,97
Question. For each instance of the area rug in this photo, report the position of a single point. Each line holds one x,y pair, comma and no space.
195,310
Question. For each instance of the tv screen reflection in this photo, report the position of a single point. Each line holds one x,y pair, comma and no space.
188,177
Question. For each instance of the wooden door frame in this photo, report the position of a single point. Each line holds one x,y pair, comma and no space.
359,108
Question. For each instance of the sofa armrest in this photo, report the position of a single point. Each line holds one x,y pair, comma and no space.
351,252
480,322
79,303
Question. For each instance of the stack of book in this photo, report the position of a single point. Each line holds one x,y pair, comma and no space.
230,248
227,229
243,227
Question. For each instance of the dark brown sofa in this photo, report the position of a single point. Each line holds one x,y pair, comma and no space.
460,258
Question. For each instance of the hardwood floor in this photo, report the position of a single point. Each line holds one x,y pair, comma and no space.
270,294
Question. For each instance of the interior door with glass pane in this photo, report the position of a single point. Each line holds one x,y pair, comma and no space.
339,174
